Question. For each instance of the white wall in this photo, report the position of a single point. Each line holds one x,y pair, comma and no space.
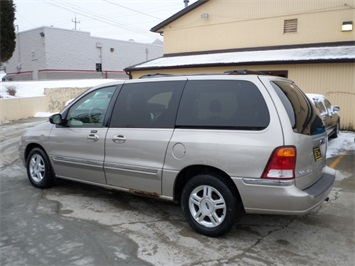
61,49
68,49
20,108
29,52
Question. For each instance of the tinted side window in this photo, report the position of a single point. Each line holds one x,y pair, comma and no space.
300,111
320,107
90,110
147,105
328,106
227,104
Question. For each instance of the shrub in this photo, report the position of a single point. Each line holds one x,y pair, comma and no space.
11,90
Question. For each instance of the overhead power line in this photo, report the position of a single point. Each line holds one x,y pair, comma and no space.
86,13
131,9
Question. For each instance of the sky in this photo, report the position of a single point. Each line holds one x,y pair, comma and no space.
112,19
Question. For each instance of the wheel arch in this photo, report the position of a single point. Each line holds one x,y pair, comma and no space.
30,147
189,172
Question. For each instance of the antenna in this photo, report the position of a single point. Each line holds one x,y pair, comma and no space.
75,22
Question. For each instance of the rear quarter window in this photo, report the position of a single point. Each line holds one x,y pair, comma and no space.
303,117
224,104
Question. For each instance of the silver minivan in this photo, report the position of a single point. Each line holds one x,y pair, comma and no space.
219,145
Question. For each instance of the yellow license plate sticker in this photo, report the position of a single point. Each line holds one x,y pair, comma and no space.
317,154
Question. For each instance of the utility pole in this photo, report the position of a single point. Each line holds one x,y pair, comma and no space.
18,67
75,22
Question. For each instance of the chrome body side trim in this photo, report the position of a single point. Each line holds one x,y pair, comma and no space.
129,168
70,160
267,182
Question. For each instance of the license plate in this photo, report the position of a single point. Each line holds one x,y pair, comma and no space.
317,154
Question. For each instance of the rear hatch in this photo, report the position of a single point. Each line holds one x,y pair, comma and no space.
303,128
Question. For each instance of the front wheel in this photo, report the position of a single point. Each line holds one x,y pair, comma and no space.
39,170
210,205
336,130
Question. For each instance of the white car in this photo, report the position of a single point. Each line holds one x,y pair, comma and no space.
328,112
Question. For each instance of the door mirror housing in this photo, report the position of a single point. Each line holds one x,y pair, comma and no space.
56,119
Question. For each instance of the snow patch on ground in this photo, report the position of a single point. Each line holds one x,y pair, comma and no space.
43,114
344,142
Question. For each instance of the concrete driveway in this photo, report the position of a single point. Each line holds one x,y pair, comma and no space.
77,224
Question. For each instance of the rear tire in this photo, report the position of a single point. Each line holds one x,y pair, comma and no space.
39,170
210,205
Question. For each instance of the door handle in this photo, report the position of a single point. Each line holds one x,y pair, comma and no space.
93,137
119,139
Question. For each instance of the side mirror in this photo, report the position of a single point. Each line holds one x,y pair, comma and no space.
56,119
336,108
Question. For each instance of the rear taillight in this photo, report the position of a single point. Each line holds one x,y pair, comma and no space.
281,164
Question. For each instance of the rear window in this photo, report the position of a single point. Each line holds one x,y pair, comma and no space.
300,111
222,104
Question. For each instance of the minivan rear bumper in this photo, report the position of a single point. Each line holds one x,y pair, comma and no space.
283,197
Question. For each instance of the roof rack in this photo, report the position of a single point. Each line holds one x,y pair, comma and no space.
244,72
229,72
156,75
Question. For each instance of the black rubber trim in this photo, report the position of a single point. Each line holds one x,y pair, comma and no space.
321,185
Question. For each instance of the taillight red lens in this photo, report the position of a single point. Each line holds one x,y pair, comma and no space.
281,164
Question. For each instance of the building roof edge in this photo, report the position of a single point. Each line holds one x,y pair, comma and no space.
177,15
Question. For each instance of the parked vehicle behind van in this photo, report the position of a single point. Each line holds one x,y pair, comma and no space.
219,145
328,112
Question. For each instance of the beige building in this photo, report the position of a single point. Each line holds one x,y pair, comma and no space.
309,41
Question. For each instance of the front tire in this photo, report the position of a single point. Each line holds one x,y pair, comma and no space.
39,170
336,131
210,205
